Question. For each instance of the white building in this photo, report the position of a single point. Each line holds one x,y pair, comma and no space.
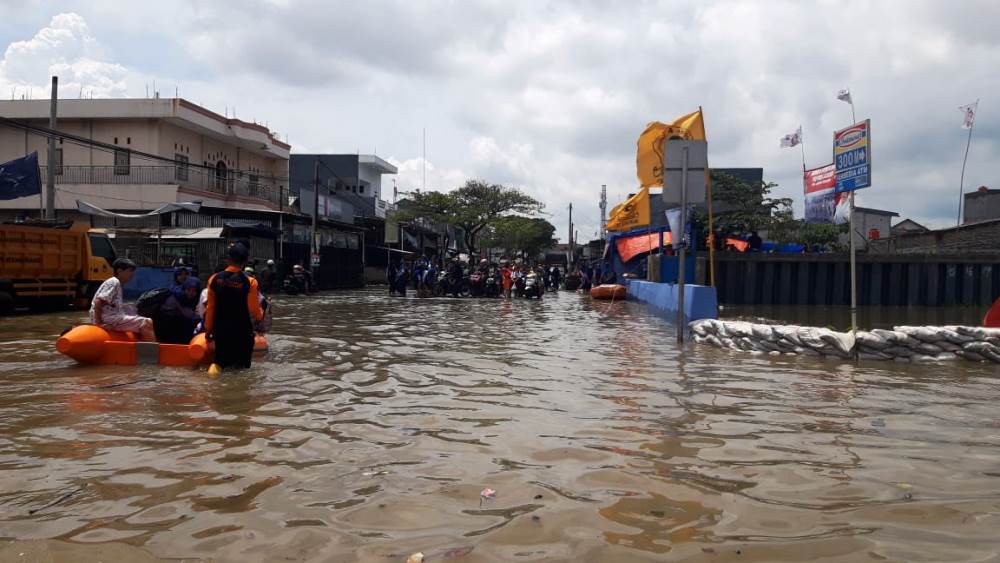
147,152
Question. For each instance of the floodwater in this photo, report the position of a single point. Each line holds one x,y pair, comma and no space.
370,431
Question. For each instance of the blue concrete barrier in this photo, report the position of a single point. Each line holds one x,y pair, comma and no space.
700,301
147,278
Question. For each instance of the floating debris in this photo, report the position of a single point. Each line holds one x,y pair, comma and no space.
486,495
417,557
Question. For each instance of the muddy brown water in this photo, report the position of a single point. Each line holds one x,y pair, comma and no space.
370,430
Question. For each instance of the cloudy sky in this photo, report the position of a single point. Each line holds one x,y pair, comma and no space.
551,96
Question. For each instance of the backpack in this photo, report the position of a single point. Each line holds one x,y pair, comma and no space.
149,303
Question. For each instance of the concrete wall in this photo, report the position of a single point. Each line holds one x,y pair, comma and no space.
977,238
824,279
981,206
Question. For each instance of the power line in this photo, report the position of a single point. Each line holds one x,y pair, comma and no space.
109,148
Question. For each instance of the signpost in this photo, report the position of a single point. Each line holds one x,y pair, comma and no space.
684,182
852,159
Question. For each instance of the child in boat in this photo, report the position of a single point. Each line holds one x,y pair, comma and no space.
108,310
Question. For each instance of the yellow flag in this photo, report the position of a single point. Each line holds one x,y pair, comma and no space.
649,156
630,214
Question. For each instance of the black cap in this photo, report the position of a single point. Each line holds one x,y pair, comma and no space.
239,253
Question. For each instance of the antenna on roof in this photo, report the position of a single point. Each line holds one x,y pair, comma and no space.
147,89
176,91
81,92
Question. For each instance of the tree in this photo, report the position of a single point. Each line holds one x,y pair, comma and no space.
745,207
517,235
472,207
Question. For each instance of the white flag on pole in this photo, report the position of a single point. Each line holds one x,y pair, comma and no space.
970,114
845,96
792,139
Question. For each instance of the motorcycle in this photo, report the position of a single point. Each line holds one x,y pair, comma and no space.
492,288
296,284
453,285
477,283
520,282
533,287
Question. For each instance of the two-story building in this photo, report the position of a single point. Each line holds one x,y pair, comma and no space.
137,154
349,191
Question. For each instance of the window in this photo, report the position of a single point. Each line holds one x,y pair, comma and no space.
57,162
361,189
101,247
121,163
181,167
255,185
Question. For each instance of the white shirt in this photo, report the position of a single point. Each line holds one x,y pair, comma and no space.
110,293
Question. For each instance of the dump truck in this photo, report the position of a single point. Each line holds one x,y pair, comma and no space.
49,265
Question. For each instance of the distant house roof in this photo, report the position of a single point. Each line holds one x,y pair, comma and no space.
871,211
909,226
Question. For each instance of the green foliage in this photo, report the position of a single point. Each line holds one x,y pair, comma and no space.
745,207
517,235
472,207
820,234
742,207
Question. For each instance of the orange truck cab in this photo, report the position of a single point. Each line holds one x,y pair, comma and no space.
52,264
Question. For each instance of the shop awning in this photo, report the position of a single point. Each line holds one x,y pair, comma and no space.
200,233
89,209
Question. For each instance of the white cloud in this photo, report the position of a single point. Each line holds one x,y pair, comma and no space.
550,96
414,174
65,48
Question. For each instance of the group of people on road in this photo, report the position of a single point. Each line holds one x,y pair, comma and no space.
229,310
433,277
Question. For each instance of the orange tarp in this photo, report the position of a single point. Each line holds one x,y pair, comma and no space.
738,244
629,247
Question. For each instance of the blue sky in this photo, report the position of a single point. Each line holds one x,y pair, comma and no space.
551,96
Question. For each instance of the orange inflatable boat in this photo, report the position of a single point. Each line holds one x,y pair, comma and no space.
608,291
91,344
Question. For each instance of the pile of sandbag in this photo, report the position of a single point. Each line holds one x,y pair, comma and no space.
902,344
930,343
773,339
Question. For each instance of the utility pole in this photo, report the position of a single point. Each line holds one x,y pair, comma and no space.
677,239
604,211
50,180
571,233
313,245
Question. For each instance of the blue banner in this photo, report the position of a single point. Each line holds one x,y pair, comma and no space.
20,178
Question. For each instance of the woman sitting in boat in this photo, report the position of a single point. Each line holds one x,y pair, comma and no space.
177,317
108,310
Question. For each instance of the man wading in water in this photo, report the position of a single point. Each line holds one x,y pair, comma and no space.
232,300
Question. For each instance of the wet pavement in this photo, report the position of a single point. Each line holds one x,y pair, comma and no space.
371,429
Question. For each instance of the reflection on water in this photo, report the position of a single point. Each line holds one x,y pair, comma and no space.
373,426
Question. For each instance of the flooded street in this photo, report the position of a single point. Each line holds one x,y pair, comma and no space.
369,431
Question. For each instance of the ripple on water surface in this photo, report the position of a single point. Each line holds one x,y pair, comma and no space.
373,426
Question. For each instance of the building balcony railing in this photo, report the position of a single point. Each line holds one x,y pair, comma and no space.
225,183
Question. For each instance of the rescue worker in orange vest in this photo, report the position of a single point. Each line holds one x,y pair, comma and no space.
233,306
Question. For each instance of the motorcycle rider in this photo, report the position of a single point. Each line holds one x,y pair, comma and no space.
554,277
418,273
428,280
